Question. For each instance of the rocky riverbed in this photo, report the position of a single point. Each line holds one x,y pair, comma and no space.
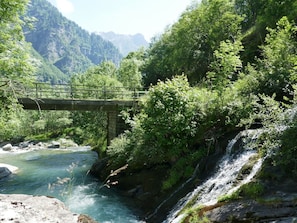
27,146
20,208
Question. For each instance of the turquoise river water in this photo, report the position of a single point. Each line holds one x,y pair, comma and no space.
63,174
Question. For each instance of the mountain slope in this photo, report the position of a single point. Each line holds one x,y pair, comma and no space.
125,43
63,43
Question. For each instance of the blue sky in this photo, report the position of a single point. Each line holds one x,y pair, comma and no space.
148,17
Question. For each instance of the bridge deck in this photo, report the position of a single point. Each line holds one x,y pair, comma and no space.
74,104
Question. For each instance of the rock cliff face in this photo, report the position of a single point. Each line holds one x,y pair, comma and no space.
35,209
63,44
125,43
253,211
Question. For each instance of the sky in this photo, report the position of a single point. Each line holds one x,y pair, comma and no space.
148,17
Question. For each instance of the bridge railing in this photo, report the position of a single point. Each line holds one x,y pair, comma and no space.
66,91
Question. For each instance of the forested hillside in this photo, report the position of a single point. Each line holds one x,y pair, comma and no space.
63,43
188,46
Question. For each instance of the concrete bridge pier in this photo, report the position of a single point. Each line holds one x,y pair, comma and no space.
115,125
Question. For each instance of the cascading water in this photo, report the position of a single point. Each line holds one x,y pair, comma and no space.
224,180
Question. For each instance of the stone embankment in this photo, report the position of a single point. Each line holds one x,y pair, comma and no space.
277,210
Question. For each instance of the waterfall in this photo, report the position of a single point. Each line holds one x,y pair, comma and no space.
224,180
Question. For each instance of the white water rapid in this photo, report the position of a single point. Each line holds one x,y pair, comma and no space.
224,180
63,174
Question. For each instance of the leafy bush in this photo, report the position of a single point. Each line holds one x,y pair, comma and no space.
170,119
286,156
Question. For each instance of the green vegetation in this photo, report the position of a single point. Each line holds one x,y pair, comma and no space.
177,120
252,190
208,76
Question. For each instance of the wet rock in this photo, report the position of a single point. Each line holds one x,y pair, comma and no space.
253,211
54,145
27,209
67,143
4,172
85,219
7,147
24,144
8,169
98,167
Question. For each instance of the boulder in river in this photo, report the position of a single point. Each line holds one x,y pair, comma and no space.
54,145
4,172
7,147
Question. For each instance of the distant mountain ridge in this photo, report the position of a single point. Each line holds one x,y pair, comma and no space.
63,44
125,43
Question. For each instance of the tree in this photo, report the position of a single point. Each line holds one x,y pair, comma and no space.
277,70
15,64
169,118
187,47
100,80
258,15
129,73
226,66
14,60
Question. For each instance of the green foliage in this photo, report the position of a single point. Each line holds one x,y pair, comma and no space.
44,122
226,66
198,219
47,72
251,190
15,62
101,81
118,150
170,119
10,120
279,62
98,79
276,71
188,46
195,215
229,197
129,71
286,156
183,168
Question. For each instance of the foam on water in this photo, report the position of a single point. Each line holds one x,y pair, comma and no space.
223,181
63,174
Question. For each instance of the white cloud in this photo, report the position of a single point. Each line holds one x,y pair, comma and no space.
65,6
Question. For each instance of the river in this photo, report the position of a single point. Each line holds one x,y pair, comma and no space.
63,174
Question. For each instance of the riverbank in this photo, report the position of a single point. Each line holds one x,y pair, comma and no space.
34,209
28,146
